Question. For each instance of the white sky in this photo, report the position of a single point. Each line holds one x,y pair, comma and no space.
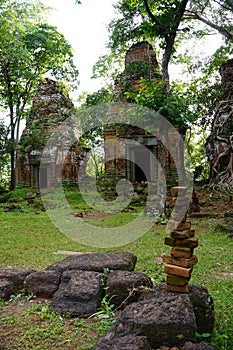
84,26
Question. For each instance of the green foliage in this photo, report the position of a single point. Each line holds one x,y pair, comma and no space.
109,65
18,195
22,296
214,15
106,307
101,96
30,48
4,157
35,139
175,106
197,154
92,137
153,20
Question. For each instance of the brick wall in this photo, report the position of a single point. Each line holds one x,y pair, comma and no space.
50,108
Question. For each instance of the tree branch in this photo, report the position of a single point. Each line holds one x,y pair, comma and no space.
152,16
220,29
180,12
228,2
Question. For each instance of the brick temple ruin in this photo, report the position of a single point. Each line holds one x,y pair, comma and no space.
127,161
50,108
219,146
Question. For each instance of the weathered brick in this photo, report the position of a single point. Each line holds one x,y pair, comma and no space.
186,243
169,259
183,234
169,241
178,270
183,252
179,289
176,280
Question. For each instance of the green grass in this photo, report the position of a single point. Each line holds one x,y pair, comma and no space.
28,239
34,326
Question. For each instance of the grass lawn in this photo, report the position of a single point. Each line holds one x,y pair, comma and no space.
28,239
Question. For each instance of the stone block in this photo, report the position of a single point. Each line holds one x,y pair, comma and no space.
192,346
96,262
203,306
16,276
125,287
127,342
79,293
201,300
186,243
176,280
42,283
177,289
167,319
178,252
169,259
183,234
178,270
169,241
6,288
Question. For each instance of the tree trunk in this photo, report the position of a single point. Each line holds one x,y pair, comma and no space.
170,41
5,71
12,152
166,59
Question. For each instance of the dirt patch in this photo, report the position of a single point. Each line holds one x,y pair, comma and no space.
30,325
92,215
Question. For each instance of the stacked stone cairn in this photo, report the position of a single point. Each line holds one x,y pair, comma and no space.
179,263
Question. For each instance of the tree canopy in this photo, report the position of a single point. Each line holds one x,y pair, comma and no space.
166,24
30,48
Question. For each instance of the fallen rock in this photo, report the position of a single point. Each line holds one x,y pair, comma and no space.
124,287
203,306
96,262
42,283
16,276
166,320
128,342
6,288
79,293
202,302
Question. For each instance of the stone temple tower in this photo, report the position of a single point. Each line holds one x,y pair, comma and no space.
50,108
128,161
219,146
